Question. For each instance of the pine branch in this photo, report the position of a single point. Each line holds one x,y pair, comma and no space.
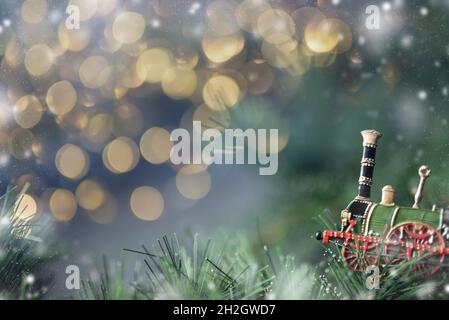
25,251
209,271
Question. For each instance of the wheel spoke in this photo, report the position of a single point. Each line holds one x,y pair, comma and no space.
415,236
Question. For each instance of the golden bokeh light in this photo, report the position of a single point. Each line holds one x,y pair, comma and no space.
91,72
98,128
155,145
222,48
28,111
221,17
127,121
121,155
62,205
247,13
321,37
61,97
39,59
193,182
20,143
72,162
147,203
106,213
179,82
34,11
186,56
128,27
212,119
90,195
105,7
306,16
13,53
280,56
73,39
26,207
109,43
275,26
153,63
220,92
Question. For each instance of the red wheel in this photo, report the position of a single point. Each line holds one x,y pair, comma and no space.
359,255
417,241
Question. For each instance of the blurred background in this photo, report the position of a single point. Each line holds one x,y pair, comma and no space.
86,113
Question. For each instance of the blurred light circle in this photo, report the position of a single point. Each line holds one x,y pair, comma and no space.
212,119
135,49
28,111
153,63
34,11
306,16
73,40
90,195
128,27
281,55
61,97
72,162
186,56
247,13
39,59
105,7
87,8
13,53
275,26
127,121
109,43
179,82
221,18
192,182
155,145
147,203
62,205
221,91
25,207
321,37
91,72
98,128
222,48
121,155
20,143
106,213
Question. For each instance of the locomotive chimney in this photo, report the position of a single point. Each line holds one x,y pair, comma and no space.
370,138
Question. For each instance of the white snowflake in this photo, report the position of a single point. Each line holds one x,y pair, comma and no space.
29,279
422,95
424,11
386,6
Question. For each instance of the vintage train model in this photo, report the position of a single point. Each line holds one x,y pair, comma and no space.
384,234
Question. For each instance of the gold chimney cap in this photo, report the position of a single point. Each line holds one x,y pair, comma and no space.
387,196
370,136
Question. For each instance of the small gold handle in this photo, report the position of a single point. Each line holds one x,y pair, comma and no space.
424,173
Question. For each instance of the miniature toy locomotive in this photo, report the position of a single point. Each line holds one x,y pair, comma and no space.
384,234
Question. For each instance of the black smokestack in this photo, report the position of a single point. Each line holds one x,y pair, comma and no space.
370,138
